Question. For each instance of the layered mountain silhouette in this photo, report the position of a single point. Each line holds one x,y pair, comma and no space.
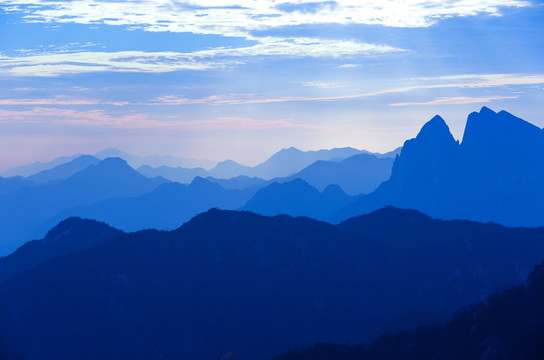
69,236
133,160
285,162
298,198
136,161
257,286
14,183
65,170
509,325
36,167
23,211
495,174
358,174
163,208
240,182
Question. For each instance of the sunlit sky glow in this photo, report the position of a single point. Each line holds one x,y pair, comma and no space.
243,79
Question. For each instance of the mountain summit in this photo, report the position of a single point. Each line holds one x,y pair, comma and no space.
495,174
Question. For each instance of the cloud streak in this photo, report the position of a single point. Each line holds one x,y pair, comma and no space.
459,81
241,17
55,64
99,118
460,100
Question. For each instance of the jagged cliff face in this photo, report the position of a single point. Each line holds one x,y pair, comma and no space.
495,174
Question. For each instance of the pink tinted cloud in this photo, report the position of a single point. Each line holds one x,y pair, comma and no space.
145,121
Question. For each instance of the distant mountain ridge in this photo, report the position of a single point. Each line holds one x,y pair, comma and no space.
298,198
357,174
284,163
236,281
23,211
165,207
65,170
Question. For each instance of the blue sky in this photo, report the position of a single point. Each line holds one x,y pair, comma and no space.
243,79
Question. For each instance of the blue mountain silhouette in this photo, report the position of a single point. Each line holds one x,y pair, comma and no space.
14,183
283,163
508,325
165,207
495,174
357,174
69,236
258,286
65,170
23,211
36,167
298,198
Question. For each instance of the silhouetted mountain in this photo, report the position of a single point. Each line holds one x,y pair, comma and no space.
288,161
164,208
495,174
11,184
178,174
34,168
236,281
240,182
69,236
136,161
358,174
23,211
228,169
298,198
505,326
283,163
64,171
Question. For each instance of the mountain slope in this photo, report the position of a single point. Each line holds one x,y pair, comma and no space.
164,208
236,281
357,174
136,161
298,198
509,325
23,211
282,164
64,171
34,168
12,184
495,174
69,236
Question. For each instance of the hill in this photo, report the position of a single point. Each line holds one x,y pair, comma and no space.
236,281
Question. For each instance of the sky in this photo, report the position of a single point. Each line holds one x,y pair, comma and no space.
210,79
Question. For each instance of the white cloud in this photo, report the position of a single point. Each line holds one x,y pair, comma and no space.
446,82
58,101
239,18
460,100
320,84
58,63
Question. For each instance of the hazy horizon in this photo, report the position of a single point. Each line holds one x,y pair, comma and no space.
243,79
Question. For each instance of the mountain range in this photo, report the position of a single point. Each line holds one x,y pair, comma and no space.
508,325
284,163
164,208
258,286
22,211
495,174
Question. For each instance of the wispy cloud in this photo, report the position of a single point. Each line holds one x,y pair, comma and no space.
58,101
241,17
445,82
460,100
54,64
100,118
320,84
